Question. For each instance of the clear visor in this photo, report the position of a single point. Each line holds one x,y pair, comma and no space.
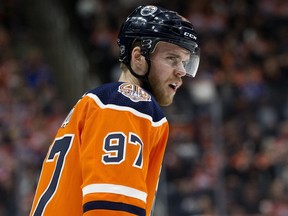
188,66
191,66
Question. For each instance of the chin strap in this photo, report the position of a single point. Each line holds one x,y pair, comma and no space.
143,78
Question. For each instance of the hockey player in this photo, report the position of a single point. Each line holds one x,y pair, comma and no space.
107,155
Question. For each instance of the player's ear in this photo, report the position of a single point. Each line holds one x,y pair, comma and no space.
138,62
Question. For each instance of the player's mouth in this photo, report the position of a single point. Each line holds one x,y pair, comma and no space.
174,86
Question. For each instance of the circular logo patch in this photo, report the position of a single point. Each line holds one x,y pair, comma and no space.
148,10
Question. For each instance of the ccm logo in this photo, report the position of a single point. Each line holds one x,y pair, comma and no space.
187,34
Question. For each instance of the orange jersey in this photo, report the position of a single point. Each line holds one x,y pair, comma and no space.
106,157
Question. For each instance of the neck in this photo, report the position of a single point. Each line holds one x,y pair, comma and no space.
126,76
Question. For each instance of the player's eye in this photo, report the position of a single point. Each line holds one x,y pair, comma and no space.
185,63
173,60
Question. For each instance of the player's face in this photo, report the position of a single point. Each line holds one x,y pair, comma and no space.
167,70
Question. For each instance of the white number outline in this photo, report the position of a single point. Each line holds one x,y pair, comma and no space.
114,146
59,150
110,145
136,140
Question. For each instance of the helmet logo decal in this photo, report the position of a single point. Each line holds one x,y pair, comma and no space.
148,10
187,34
122,49
147,43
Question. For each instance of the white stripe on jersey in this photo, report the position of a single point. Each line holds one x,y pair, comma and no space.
115,189
125,108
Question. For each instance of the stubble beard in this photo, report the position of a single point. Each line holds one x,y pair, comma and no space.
161,95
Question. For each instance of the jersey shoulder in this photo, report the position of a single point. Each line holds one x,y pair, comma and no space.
127,96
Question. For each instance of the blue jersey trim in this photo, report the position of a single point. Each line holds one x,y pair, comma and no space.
114,206
108,94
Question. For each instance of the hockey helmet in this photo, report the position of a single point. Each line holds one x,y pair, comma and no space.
150,24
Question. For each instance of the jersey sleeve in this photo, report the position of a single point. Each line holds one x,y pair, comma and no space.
119,147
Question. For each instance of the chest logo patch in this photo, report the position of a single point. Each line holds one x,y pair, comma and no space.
133,92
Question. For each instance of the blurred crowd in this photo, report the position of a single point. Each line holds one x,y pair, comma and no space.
30,111
228,146
227,153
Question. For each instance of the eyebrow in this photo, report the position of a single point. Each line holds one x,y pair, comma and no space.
179,56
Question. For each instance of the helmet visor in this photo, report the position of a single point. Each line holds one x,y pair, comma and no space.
191,66
187,64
